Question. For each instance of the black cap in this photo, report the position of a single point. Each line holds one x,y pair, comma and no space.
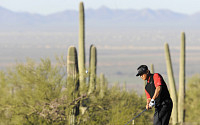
141,70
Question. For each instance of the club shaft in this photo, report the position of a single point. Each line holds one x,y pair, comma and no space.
135,117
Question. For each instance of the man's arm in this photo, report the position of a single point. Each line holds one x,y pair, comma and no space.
158,84
148,101
157,92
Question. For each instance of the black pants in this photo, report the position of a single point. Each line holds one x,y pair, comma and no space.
163,113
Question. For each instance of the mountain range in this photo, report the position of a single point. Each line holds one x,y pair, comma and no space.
98,18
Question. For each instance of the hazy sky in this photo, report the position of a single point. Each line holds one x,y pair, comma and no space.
51,6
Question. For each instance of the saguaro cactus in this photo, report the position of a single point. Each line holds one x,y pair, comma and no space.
72,63
102,85
181,96
152,68
81,58
171,84
81,55
92,69
72,81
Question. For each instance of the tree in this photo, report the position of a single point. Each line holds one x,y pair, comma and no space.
27,89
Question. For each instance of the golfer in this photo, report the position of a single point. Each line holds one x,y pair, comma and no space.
157,95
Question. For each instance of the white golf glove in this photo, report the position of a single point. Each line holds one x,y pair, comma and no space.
152,103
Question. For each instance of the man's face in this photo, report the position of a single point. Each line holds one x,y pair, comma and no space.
144,76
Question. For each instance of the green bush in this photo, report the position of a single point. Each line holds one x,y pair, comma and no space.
192,99
36,93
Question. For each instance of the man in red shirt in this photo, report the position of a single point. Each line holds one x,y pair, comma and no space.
157,95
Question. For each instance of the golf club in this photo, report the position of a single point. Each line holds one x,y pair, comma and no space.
135,117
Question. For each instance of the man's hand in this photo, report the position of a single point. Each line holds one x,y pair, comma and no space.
147,107
152,103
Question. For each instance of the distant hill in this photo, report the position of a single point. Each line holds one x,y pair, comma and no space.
98,18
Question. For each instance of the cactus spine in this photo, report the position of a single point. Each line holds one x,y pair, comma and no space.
171,84
72,81
181,81
81,55
92,69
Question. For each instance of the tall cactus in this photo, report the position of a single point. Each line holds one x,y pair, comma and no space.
181,98
72,81
171,84
152,68
72,63
81,55
81,58
102,85
92,69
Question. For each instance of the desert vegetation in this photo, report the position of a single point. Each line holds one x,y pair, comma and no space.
68,90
